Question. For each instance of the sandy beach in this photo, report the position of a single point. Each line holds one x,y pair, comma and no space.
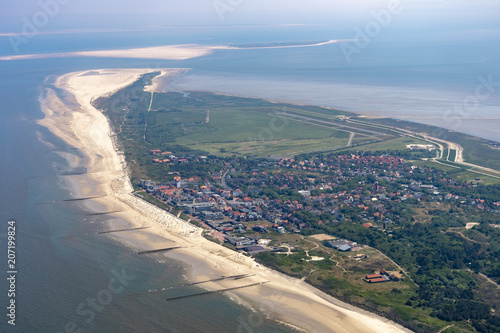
283,298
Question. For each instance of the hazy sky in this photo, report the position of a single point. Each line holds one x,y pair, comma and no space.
78,13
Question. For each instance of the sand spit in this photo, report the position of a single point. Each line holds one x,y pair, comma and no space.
161,82
287,299
331,41
168,52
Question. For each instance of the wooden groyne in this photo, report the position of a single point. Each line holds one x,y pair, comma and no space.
81,199
159,250
120,230
105,213
217,291
77,173
232,277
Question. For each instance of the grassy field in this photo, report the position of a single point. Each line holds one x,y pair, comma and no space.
452,155
227,125
397,143
457,172
235,125
275,148
473,177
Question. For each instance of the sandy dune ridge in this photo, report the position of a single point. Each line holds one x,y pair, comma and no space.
289,300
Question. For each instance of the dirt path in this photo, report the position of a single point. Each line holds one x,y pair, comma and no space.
351,137
399,267
445,328
464,237
490,280
146,122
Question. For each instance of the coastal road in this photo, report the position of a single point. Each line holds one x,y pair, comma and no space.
451,145
329,124
440,143
459,159
351,137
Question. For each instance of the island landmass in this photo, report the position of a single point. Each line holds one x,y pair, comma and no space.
393,217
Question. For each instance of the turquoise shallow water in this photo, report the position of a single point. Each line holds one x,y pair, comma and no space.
62,263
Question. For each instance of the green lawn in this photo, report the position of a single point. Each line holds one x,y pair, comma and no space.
277,148
251,126
452,155
236,125
394,143
254,130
